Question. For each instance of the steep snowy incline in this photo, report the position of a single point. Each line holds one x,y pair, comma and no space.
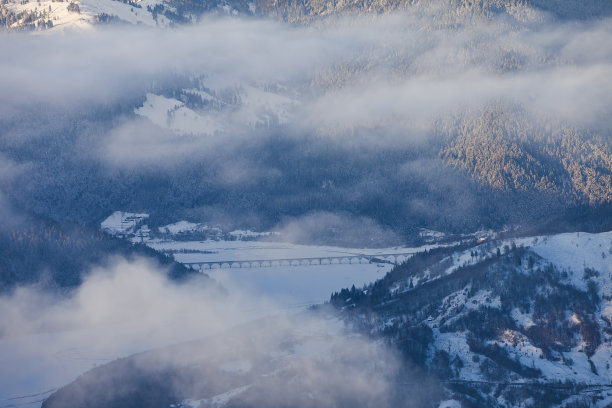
502,323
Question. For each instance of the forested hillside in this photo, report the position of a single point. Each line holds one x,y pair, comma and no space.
502,148
522,10
41,251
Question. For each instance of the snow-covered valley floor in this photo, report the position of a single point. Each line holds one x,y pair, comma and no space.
288,283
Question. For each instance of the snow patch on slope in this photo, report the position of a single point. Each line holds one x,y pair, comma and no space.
172,114
242,106
576,251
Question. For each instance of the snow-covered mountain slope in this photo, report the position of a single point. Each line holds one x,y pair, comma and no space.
44,14
203,112
520,321
78,14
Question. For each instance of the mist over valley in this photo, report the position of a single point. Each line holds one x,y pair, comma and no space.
285,203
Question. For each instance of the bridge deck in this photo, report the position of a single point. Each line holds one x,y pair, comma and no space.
326,260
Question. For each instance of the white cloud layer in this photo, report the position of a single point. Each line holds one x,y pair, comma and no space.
393,72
